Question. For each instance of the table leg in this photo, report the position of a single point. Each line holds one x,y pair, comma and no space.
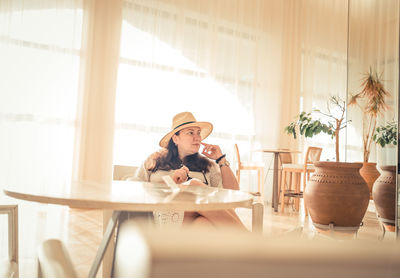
108,257
104,243
257,217
275,183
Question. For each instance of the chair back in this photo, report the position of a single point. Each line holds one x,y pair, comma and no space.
285,158
9,268
237,155
123,172
313,154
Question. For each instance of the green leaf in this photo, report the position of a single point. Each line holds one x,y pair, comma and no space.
386,134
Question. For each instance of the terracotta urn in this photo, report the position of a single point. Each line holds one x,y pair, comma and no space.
370,173
337,194
384,193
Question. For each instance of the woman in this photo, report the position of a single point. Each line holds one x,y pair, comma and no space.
180,159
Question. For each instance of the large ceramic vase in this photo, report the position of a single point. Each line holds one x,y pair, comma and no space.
384,193
337,194
369,174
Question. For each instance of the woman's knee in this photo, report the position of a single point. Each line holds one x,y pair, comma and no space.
202,221
189,217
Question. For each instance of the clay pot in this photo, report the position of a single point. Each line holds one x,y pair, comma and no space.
337,194
384,193
369,174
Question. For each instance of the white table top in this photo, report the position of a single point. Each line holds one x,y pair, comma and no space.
137,196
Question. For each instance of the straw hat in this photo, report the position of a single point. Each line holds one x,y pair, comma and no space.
184,120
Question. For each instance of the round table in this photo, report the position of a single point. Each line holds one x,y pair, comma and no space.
138,197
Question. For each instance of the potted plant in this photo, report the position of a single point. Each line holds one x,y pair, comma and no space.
307,126
384,189
371,101
336,188
386,134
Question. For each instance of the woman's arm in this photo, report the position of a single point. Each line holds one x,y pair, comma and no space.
144,171
228,177
229,180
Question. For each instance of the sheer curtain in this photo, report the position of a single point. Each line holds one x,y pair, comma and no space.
317,66
39,46
198,56
245,66
373,43
39,65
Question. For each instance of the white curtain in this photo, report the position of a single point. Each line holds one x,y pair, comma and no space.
373,43
324,65
314,66
198,56
40,54
245,66
40,45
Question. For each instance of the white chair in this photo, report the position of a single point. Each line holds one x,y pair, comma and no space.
124,172
9,267
54,260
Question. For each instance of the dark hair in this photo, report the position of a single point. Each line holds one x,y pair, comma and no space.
171,160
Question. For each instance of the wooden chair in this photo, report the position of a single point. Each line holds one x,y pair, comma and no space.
284,158
252,167
313,154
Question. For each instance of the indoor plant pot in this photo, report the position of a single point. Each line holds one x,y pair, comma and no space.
370,173
337,194
384,193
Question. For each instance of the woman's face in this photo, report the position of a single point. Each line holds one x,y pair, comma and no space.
188,141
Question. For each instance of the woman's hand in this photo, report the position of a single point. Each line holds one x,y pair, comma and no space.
197,182
180,175
211,151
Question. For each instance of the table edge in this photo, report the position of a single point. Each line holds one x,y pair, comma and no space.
99,204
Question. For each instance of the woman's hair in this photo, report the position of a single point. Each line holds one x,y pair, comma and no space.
171,161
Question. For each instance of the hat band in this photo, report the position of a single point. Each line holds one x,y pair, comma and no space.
184,124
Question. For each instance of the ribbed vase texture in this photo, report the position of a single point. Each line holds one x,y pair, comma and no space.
337,194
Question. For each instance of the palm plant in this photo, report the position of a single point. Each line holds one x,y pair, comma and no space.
307,126
371,101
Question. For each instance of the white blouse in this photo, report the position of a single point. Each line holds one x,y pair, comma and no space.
171,217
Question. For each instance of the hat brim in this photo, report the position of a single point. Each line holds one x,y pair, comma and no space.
206,129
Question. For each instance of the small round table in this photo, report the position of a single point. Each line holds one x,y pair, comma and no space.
276,153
